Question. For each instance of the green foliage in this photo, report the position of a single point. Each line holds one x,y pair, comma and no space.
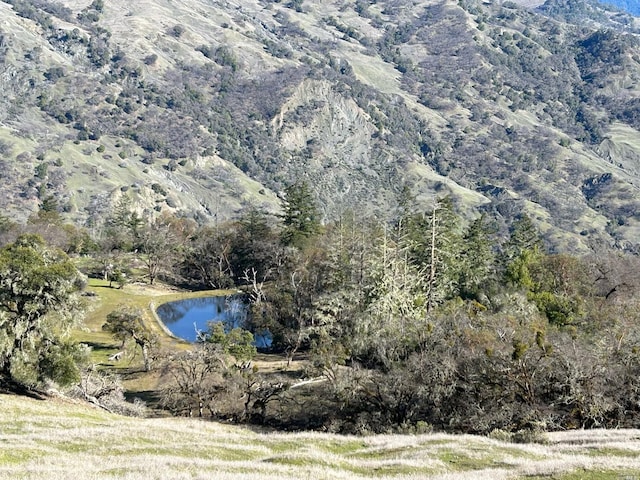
518,271
301,218
38,287
477,259
434,245
557,284
122,226
524,236
49,204
237,342
41,171
126,323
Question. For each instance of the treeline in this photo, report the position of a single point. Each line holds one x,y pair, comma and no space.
415,323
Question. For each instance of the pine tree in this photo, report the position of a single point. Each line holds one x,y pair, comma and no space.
523,236
478,259
301,218
434,245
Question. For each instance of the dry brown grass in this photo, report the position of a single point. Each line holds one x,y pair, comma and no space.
58,439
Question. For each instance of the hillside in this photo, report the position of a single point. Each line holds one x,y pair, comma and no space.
631,6
204,108
57,439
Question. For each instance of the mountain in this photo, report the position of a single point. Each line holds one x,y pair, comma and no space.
202,108
631,6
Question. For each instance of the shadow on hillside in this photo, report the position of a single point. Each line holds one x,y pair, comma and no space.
152,399
149,396
98,346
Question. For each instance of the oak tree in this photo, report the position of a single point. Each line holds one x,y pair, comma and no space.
39,303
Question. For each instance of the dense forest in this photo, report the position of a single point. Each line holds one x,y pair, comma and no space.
415,322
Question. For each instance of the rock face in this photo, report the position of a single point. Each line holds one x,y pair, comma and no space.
205,108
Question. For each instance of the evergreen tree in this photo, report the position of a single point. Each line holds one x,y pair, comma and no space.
301,218
523,236
523,250
478,259
122,227
256,246
434,246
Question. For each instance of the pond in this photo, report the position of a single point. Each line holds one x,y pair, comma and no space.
185,318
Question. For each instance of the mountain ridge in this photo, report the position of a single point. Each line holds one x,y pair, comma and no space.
203,109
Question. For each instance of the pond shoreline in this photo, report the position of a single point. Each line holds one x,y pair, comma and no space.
187,318
165,329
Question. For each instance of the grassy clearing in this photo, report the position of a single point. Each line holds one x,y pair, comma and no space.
59,439
144,297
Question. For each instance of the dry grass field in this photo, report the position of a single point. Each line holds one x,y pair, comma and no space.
57,439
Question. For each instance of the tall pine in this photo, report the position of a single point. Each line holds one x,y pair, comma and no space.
301,219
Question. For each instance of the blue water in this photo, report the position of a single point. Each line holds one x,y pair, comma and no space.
189,317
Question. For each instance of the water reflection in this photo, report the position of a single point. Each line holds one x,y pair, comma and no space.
185,318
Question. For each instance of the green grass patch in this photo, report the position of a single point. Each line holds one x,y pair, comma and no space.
582,474
396,470
16,456
281,446
389,470
295,461
385,453
75,447
459,460
343,448
612,452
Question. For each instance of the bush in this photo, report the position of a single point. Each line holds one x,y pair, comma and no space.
106,391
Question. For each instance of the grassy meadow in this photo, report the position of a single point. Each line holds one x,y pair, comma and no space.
104,300
58,439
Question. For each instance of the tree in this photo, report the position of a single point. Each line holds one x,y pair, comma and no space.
208,257
122,227
194,379
200,378
256,246
126,323
523,236
557,284
478,260
39,289
394,319
161,243
434,245
301,218
237,342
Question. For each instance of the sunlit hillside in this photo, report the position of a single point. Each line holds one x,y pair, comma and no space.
202,109
58,440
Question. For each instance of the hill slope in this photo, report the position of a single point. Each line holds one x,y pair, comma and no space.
631,6
202,108
56,439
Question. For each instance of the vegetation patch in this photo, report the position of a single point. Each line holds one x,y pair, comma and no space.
582,474
613,452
